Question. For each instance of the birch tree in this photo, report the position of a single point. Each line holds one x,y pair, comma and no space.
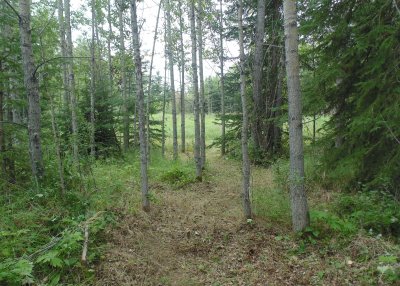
202,100
141,108
71,81
245,150
300,215
92,82
125,115
66,98
197,142
221,66
182,64
32,89
172,79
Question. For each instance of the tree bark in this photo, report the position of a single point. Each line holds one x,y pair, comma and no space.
197,154
125,115
150,81
221,60
71,82
202,100
2,133
172,78
257,74
183,111
300,215
92,84
66,98
141,108
54,130
245,149
32,89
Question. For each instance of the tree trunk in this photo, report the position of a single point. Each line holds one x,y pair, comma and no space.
141,108
66,98
92,84
71,82
202,100
257,125
245,150
300,215
109,57
124,108
150,81
2,133
183,111
32,89
163,110
56,137
221,60
171,71
197,142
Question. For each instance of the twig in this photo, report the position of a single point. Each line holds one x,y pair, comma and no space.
390,130
12,8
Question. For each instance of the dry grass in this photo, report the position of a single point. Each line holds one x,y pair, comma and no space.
197,236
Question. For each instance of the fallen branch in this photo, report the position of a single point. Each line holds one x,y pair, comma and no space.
85,243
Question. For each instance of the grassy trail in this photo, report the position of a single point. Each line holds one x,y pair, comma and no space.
196,236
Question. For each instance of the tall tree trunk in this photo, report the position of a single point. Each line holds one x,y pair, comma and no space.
172,78
245,149
71,82
2,133
221,60
197,142
125,114
109,58
141,108
92,83
202,100
182,50
66,98
150,81
32,89
257,74
300,215
163,110
56,137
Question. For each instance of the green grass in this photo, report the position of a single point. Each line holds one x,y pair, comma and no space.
213,130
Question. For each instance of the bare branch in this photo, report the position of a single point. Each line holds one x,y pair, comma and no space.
12,8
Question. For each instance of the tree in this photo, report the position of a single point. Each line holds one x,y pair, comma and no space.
92,82
197,142
172,79
221,63
182,68
63,52
257,73
32,89
202,99
141,108
71,81
245,150
300,215
124,108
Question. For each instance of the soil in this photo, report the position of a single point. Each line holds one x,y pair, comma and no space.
197,236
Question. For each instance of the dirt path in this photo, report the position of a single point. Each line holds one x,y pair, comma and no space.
197,236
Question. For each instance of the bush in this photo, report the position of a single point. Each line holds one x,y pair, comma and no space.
377,212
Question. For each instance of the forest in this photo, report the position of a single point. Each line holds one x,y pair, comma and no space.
199,142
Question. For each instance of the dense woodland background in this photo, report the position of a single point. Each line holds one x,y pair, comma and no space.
84,123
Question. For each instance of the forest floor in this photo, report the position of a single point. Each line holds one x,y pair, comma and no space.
196,235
